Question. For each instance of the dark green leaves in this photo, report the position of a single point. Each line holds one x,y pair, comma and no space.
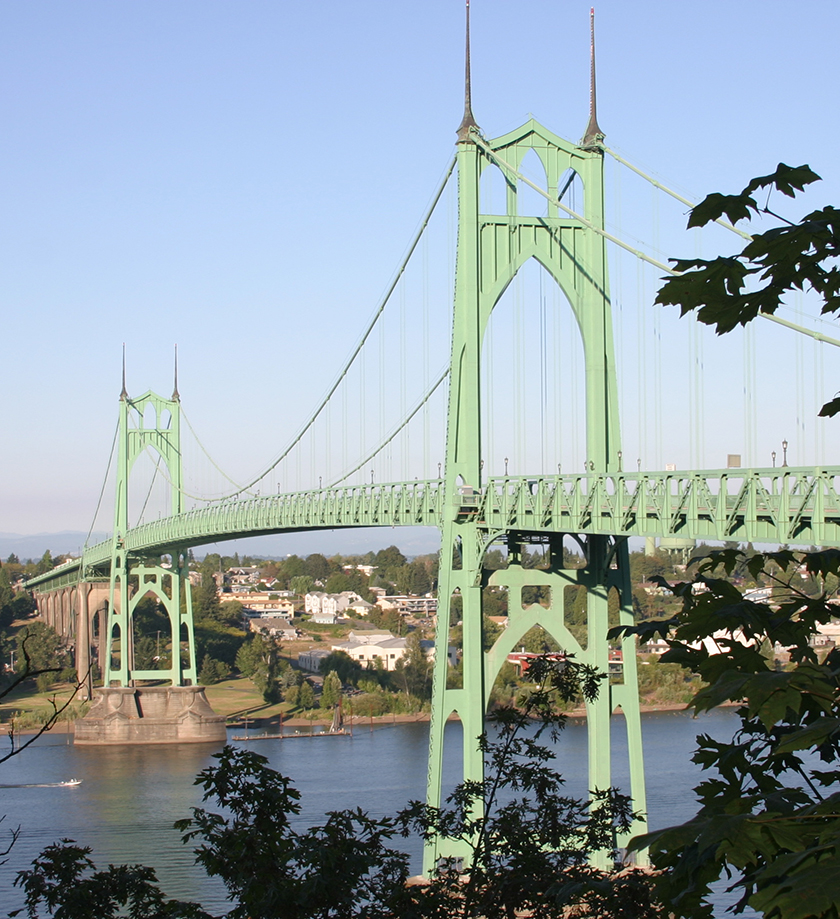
764,821
732,290
786,179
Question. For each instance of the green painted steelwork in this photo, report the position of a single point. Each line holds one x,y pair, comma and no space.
794,505
491,250
149,424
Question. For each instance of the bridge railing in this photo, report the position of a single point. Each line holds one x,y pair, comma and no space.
783,504
795,505
416,503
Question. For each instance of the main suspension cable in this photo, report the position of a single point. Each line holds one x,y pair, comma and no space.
396,430
104,483
380,309
669,191
480,142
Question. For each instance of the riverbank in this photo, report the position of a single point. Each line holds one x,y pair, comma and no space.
274,724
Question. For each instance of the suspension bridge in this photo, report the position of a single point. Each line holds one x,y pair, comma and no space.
599,506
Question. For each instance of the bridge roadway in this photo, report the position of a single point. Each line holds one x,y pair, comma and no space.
781,505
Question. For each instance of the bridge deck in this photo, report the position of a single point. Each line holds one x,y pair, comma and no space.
781,505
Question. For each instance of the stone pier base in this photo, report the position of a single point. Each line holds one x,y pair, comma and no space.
150,715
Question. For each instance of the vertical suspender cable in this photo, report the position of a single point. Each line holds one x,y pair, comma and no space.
543,362
425,254
404,437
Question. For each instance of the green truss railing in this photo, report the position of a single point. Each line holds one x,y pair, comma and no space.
782,505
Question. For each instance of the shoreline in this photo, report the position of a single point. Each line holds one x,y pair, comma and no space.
298,721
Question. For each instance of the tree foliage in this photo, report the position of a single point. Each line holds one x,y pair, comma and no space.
769,813
729,291
769,817
41,653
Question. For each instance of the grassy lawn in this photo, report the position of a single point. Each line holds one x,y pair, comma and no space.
235,699
36,706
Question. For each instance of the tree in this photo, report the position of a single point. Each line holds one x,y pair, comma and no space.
768,813
338,582
341,663
317,566
769,818
206,604
331,690
212,671
230,612
306,696
413,672
41,653
258,660
729,291
301,584
66,881
45,564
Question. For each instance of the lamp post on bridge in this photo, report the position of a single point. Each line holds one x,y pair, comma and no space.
784,452
773,455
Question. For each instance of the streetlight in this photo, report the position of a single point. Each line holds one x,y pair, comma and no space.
506,466
773,454
371,477
619,460
784,452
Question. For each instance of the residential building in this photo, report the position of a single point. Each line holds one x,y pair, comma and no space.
373,648
427,646
275,626
311,660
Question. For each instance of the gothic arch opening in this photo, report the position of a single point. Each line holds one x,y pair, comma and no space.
530,203
533,417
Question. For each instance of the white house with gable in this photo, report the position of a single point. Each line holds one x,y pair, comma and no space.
373,648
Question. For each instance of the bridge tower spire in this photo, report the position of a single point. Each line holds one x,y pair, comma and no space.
150,423
491,249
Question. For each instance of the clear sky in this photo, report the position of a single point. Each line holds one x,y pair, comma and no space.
243,178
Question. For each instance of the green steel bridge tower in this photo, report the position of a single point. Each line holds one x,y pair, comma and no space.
491,249
151,424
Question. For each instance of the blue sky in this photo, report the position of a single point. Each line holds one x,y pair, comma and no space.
243,178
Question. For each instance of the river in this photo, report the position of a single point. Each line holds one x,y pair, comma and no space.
130,796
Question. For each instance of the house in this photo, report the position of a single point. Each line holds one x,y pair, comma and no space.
523,659
367,570
275,626
264,602
326,608
408,605
373,648
242,576
311,660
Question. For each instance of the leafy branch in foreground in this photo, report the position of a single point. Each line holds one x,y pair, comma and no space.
732,290
530,843
26,672
769,816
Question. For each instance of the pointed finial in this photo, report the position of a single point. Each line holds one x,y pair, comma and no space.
124,393
175,394
468,121
593,132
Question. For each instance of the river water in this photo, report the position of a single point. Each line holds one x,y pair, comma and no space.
130,796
